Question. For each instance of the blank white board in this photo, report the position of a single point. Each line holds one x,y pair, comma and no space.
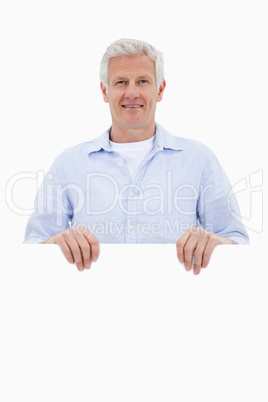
135,327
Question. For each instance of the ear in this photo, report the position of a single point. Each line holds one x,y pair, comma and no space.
161,91
104,93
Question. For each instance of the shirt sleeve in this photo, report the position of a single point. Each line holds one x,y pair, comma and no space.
53,208
218,210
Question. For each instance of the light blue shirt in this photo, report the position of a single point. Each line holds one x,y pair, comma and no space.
179,184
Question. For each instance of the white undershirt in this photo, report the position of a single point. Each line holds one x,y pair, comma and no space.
133,153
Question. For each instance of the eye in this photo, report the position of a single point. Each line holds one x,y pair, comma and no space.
143,81
120,82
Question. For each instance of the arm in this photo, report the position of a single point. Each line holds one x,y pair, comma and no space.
217,211
51,220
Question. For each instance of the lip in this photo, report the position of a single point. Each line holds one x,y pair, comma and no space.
132,106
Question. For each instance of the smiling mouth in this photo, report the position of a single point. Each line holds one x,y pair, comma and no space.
132,106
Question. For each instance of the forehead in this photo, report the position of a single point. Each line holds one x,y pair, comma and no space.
140,64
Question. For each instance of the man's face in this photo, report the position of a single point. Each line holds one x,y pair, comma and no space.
133,92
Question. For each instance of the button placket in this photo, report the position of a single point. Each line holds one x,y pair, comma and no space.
132,202
131,227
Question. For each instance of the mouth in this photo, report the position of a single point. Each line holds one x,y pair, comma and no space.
132,106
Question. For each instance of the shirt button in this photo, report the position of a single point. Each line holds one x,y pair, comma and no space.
120,163
131,194
131,227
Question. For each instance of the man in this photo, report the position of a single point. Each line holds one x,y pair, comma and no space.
136,183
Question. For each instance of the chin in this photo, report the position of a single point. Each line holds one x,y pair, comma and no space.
134,120
136,124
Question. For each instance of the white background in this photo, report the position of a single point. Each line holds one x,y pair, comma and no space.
216,71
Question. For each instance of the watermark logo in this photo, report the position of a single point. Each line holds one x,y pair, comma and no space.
170,199
249,193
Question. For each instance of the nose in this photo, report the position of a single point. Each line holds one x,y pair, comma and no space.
131,91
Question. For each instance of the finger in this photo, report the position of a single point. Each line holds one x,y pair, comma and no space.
189,249
66,251
212,243
76,252
85,251
94,245
180,245
198,254
78,232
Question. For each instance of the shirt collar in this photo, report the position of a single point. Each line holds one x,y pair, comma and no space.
163,140
100,143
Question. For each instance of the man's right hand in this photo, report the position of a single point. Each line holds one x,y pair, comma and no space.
78,245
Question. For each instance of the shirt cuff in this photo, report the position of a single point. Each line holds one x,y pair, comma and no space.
33,240
239,240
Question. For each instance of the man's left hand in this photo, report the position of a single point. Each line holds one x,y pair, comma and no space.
195,246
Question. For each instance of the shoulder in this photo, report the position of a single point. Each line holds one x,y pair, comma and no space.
189,146
77,153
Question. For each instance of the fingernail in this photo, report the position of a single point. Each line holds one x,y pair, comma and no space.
87,266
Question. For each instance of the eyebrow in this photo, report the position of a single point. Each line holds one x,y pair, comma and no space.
121,78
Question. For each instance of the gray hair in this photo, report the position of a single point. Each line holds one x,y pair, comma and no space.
130,47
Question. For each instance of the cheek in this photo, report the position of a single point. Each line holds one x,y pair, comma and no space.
113,101
151,97
115,94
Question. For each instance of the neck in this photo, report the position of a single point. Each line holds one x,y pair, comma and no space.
131,134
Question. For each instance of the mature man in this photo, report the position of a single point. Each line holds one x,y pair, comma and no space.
136,183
